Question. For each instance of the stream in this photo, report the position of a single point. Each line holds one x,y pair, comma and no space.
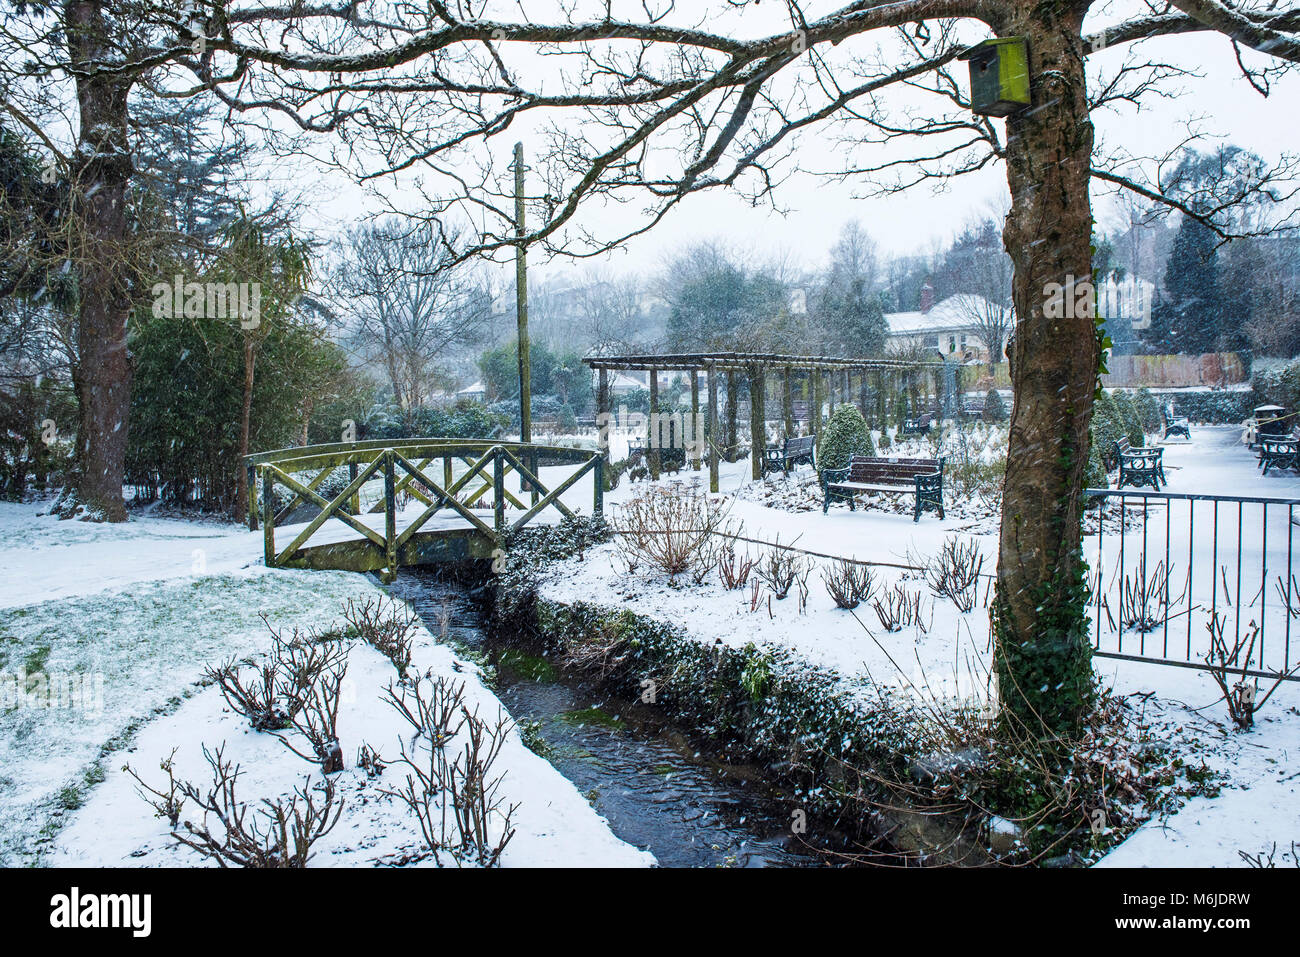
653,788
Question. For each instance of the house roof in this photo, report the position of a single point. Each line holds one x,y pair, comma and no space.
955,312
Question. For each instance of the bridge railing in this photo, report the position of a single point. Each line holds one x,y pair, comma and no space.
471,476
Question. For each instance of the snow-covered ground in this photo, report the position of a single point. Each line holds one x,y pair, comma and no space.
137,610
949,652
148,603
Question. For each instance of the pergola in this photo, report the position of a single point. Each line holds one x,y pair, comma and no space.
830,378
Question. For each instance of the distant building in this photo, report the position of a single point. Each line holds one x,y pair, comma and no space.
472,393
949,327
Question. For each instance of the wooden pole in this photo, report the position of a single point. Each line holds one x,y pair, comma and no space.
787,403
654,433
521,304
693,430
604,423
757,420
390,516
815,406
733,442
713,429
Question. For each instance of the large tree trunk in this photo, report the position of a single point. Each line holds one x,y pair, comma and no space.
1042,650
102,166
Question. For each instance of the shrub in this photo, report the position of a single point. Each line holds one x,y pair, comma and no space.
565,420
845,435
666,528
1148,410
1107,426
995,410
1218,406
1129,419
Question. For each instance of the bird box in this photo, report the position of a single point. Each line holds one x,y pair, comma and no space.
999,76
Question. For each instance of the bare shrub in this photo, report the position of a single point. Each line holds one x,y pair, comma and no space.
848,583
778,569
733,567
387,625
801,585
166,803
257,699
316,717
665,527
370,761
437,713
277,689
279,835
1266,859
1225,664
900,608
1144,599
954,573
455,797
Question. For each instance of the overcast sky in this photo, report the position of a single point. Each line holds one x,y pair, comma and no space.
817,208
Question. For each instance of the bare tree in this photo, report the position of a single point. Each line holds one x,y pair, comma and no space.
410,301
980,271
651,110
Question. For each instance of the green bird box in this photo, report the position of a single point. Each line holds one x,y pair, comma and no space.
999,76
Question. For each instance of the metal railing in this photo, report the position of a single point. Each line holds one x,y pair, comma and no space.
1165,566
473,478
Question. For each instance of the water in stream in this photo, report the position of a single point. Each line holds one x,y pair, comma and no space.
654,790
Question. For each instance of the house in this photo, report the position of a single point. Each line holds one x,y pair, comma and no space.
472,393
950,327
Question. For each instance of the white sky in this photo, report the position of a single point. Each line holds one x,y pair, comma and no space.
1221,99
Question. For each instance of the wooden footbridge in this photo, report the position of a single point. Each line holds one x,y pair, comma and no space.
411,501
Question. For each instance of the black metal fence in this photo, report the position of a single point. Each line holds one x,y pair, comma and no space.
1173,572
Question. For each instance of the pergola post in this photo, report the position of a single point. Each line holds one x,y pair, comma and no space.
787,403
713,428
653,434
604,423
693,430
733,442
757,420
815,406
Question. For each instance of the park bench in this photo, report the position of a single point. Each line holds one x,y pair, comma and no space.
1279,452
865,473
973,408
1140,466
920,425
796,451
1175,424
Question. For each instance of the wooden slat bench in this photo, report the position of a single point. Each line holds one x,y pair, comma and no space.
796,451
1140,466
919,425
922,477
1279,452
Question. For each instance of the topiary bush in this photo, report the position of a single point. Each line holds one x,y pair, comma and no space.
845,435
995,410
1148,410
1107,427
1129,418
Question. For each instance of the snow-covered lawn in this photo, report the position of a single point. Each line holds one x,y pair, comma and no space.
149,603
134,605
949,652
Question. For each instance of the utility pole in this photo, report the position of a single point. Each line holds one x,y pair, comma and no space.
521,304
